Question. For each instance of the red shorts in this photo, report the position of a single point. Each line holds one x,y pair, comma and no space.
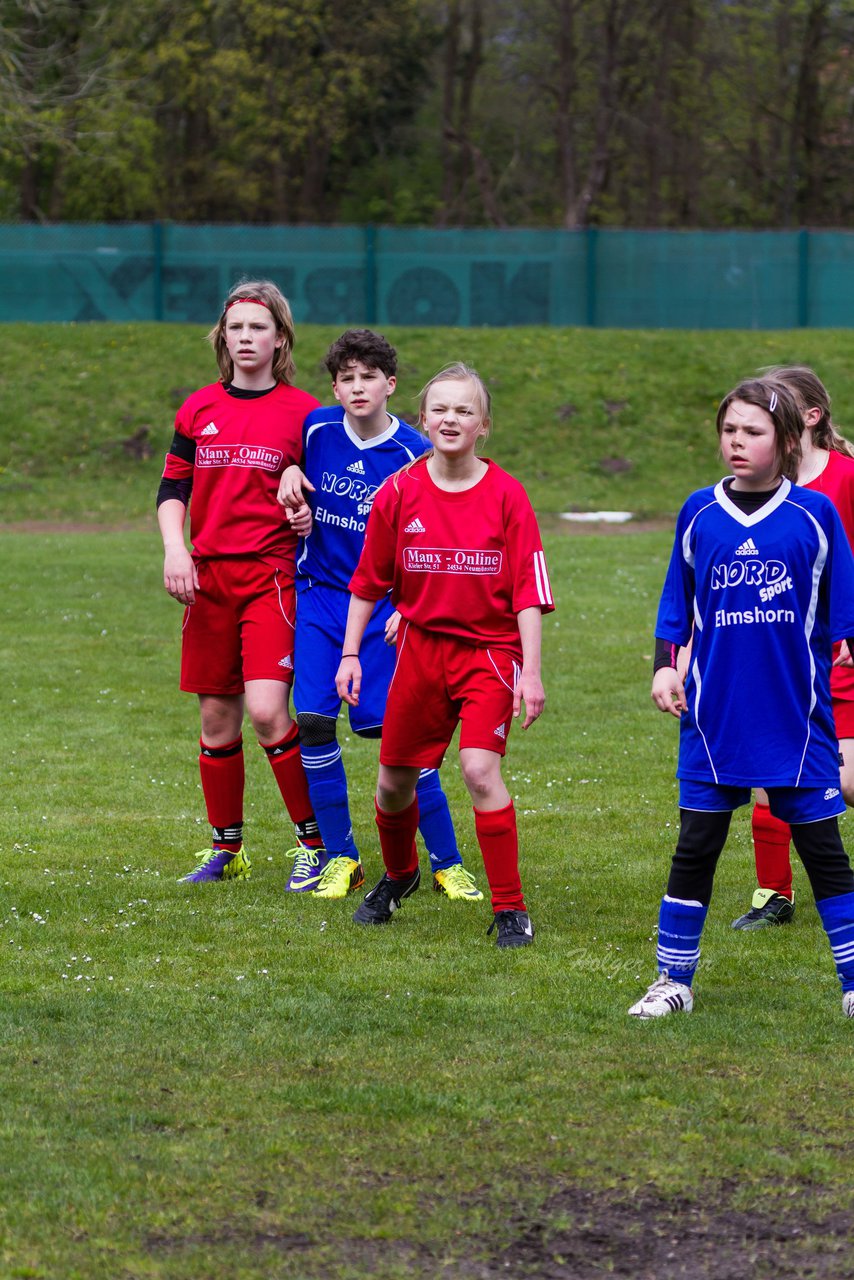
240,628
842,694
843,718
440,682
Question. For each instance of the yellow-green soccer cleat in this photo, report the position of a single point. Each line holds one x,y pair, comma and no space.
457,884
218,864
340,877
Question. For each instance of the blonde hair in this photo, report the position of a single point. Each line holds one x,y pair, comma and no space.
456,372
271,297
460,372
813,394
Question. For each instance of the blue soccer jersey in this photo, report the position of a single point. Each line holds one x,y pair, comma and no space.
766,594
346,472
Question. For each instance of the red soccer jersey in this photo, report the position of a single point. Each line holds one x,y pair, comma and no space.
460,564
242,446
837,483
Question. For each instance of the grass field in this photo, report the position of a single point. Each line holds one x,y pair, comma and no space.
229,1082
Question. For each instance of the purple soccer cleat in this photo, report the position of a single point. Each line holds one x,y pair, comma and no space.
218,864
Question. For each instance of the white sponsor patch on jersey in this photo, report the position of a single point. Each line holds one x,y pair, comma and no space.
239,455
451,560
358,466
210,430
747,548
415,526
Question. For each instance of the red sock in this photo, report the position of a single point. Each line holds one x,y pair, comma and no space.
397,841
221,769
771,839
286,763
499,844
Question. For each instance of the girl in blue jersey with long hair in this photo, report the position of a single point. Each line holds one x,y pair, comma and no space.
763,572
827,465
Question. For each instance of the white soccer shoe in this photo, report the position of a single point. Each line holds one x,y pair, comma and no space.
665,996
848,1004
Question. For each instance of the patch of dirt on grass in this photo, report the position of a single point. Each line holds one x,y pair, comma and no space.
584,1234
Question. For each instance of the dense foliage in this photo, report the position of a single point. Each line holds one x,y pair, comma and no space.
462,112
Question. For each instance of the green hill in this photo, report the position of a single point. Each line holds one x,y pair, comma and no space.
586,418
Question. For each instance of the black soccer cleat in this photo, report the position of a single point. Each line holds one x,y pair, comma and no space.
768,908
514,929
380,903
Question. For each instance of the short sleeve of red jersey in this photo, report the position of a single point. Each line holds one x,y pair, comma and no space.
531,585
180,459
375,571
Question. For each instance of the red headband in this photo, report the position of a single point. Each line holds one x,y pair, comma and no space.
234,302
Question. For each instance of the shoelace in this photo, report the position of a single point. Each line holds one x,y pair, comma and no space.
507,922
460,876
387,889
663,980
330,872
381,892
304,860
206,856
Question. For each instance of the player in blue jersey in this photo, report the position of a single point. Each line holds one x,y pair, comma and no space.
762,570
348,451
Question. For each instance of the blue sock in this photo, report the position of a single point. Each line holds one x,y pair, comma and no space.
679,927
434,821
837,916
327,789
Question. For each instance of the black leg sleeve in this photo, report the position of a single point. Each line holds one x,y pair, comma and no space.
822,852
702,836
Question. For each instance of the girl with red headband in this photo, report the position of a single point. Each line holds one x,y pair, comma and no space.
233,439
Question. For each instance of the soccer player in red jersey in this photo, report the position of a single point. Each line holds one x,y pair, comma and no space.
827,465
454,538
233,439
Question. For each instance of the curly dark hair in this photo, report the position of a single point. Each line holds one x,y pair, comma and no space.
369,348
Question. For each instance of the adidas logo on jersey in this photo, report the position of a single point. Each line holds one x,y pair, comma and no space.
286,662
358,467
748,548
500,732
210,430
415,526
831,793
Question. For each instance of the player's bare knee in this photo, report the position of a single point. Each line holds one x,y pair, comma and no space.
396,788
394,799
267,708
481,777
271,723
221,719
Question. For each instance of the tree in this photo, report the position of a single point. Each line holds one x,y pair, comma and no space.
55,59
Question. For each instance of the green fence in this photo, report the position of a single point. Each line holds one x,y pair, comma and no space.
408,276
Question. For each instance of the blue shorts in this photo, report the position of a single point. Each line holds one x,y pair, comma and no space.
320,625
789,804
